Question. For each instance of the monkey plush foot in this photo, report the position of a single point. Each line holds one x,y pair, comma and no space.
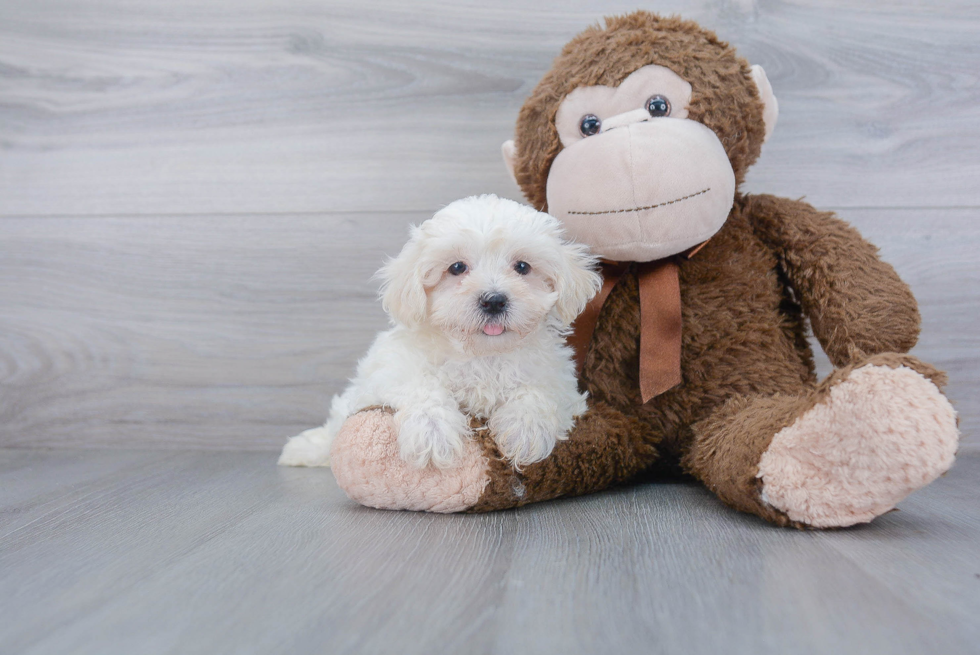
366,464
878,435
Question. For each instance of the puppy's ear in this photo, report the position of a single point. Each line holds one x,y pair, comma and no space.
576,281
402,287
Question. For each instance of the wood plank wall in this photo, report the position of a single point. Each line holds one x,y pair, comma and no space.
193,195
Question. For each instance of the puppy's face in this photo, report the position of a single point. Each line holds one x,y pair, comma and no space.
490,294
487,272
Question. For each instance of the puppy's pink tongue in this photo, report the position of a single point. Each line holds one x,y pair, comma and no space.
493,330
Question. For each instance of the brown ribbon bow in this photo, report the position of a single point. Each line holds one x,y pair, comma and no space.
660,321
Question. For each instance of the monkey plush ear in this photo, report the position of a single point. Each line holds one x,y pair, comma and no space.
509,150
771,107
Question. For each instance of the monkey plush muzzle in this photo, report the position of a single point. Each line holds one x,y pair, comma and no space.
643,188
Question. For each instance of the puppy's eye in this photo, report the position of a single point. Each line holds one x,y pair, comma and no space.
522,268
457,269
589,125
658,106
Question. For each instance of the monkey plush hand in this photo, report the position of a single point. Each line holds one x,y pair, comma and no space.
637,139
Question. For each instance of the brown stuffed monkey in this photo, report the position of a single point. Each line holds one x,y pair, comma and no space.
695,354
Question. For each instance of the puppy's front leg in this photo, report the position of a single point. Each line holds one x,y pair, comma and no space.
431,427
527,426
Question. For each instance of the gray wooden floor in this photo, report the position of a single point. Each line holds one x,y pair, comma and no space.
163,552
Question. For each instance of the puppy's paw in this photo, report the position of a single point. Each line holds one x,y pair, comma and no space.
525,437
309,448
431,435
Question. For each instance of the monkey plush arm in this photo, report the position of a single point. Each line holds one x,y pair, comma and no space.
856,302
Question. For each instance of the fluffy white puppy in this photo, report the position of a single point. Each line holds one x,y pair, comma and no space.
480,297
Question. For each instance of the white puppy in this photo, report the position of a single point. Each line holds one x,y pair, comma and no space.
480,297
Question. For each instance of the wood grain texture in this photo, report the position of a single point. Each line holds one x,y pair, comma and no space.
226,553
233,332
178,106
227,331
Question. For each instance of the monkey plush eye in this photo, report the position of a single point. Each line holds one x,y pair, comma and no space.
658,106
589,125
457,269
522,268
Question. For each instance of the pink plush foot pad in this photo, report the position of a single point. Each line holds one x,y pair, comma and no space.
880,434
365,461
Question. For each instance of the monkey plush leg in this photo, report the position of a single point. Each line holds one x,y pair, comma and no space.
604,448
840,454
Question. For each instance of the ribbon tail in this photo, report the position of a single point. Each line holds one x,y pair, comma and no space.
660,333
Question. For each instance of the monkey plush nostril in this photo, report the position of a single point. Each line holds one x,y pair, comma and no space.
493,303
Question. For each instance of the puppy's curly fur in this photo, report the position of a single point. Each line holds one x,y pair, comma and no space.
481,297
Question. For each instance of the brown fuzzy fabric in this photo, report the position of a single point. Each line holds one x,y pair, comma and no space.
606,447
746,296
729,444
822,257
723,96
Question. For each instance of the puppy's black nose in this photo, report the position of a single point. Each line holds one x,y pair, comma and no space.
493,303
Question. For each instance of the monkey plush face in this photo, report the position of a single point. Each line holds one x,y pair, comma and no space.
638,136
636,178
